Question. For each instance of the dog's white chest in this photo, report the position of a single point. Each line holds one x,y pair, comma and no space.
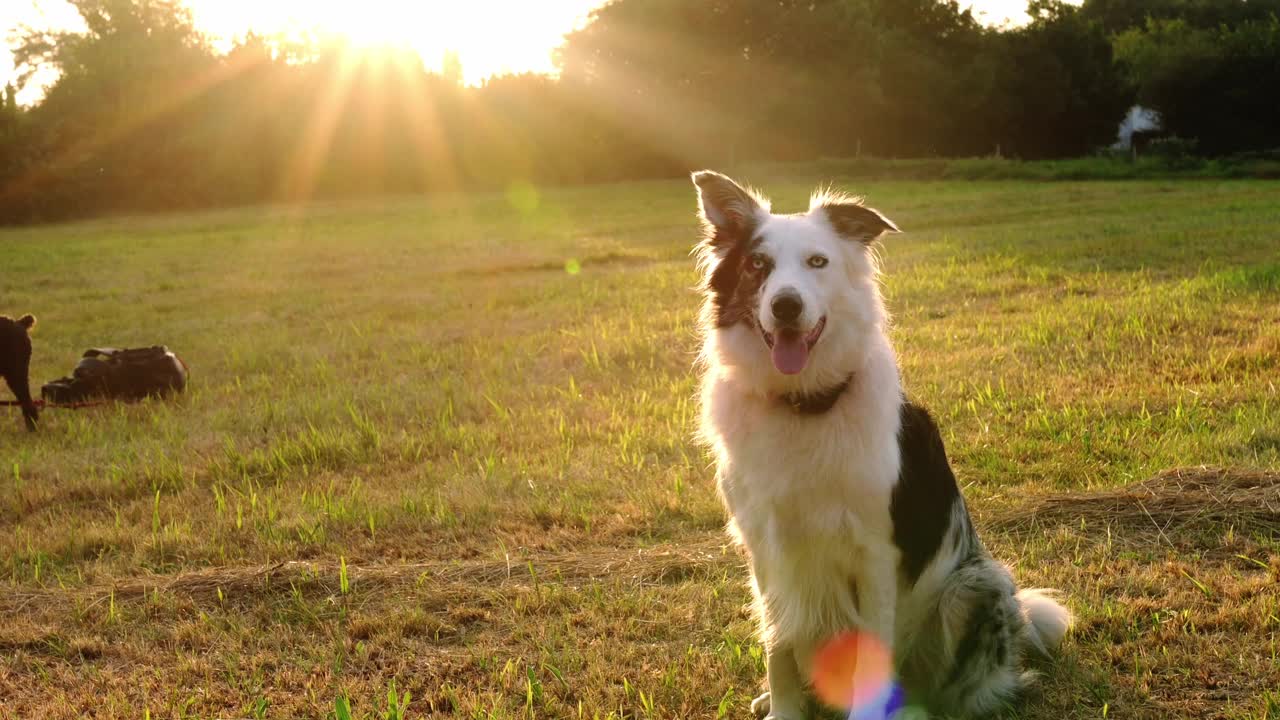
797,479
809,498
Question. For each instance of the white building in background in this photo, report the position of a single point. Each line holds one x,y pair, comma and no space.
1138,119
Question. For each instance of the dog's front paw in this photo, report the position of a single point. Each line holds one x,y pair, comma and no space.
763,709
760,706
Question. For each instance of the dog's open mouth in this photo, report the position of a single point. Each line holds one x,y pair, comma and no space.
790,348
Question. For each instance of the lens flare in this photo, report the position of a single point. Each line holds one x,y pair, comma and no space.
854,672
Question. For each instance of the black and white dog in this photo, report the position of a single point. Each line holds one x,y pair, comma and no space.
839,488
15,363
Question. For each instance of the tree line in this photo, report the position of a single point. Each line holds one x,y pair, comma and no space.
146,114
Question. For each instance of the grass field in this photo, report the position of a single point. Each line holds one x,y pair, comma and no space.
442,447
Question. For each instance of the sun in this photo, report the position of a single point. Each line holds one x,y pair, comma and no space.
490,37
372,29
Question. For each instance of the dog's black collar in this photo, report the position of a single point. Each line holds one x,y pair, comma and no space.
819,402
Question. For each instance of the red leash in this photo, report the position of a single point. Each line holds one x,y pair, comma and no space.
64,406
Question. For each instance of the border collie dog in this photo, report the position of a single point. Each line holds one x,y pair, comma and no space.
15,362
837,487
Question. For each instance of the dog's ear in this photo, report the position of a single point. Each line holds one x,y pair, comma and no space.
27,321
725,205
853,220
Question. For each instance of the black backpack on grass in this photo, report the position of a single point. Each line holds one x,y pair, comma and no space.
130,374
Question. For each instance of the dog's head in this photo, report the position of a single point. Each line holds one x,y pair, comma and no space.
13,334
792,300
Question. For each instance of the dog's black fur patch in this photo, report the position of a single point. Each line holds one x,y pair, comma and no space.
731,214
734,287
15,363
989,639
922,500
987,627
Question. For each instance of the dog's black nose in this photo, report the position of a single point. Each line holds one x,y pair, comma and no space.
787,307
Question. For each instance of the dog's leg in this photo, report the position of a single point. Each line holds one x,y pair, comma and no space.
21,388
785,699
878,593
877,589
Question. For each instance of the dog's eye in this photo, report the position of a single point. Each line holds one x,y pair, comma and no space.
817,261
758,262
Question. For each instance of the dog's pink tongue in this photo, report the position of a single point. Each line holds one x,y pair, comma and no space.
790,352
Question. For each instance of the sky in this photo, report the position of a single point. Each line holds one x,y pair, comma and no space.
521,39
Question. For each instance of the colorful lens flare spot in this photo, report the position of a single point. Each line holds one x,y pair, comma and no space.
854,672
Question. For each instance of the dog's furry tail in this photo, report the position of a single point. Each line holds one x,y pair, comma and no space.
1047,619
27,321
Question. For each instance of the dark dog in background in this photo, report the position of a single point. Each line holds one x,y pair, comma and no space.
15,363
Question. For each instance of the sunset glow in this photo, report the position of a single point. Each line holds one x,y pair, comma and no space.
489,37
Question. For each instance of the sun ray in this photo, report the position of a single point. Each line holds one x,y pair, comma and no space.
313,145
436,165
670,122
87,145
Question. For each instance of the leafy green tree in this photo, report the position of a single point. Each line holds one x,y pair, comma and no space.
145,114
108,124
1066,97
1116,16
1215,85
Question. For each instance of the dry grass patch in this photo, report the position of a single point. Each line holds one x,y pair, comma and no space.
1180,503
1175,582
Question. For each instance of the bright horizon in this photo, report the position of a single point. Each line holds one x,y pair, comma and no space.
521,40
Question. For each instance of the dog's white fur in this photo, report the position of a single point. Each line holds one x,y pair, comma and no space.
809,496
